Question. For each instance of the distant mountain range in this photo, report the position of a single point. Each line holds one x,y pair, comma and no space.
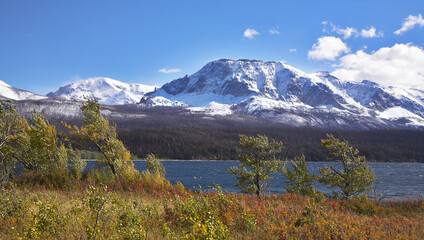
271,90
108,91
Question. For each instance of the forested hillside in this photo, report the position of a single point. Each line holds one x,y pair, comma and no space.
179,134
221,143
195,139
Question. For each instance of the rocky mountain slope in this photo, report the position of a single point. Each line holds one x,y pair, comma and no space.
278,91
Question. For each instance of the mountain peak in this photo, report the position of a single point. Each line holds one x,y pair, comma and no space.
236,78
107,90
280,90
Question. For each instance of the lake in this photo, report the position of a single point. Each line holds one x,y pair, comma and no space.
396,180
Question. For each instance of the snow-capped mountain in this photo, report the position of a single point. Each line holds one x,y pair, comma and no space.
9,92
241,89
108,91
279,91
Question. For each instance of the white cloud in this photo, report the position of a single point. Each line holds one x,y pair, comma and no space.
328,48
169,70
292,50
250,33
400,65
409,23
371,33
274,31
348,32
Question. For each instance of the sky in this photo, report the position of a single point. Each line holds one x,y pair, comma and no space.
48,43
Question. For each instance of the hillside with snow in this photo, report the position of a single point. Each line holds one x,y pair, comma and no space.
11,93
108,91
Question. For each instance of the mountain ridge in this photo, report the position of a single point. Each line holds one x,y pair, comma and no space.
108,91
12,93
266,89
255,86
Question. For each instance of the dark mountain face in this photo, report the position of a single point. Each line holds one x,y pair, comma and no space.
177,86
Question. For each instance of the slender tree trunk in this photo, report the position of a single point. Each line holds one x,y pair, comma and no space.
112,168
258,185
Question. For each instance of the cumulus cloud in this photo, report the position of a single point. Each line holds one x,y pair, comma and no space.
371,33
169,70
348,32
274,31
250,33
409,23
292,50
327,47
400,65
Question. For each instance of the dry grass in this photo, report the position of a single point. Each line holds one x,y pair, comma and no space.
154,209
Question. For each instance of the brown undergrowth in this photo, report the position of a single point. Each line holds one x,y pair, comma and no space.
152,208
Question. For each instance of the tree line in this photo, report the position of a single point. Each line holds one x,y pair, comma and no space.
178,134
221,143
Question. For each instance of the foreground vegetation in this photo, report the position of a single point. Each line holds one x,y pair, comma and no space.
53,198
154,209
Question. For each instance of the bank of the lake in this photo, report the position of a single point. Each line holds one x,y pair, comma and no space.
394,180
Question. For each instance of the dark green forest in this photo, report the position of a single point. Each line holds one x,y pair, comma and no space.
222,143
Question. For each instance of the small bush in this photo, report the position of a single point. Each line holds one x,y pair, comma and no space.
48,222
154,166
198,218
130,223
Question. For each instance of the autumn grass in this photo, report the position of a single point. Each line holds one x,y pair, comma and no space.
154,209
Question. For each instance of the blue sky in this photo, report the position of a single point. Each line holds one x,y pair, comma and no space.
46,44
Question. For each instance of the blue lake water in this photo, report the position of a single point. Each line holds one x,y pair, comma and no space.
395,180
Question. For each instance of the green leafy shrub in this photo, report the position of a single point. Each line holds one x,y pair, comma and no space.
130,223
355,178
298,179
49,222
154,166
361,204
12,205
95,202
198,218
257,162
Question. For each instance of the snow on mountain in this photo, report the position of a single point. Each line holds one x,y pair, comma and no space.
9,92
213,108
277,90
273,84
378,98
272,90
108,91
